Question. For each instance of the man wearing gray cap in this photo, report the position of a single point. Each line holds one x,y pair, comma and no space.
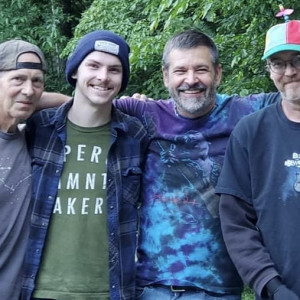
22,67
260,179
87,168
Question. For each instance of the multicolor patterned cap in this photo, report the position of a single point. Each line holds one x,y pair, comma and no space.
282,37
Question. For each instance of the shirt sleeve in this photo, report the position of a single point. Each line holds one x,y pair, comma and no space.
235,176
131,106
244,243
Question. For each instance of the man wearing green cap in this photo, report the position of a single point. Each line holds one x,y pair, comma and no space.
260,179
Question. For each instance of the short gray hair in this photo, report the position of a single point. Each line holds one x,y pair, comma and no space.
187,40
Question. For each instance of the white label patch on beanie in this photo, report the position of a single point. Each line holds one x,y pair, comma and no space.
106,46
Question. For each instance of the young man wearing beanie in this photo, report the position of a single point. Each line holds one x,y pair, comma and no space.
22,67
87,163
260,179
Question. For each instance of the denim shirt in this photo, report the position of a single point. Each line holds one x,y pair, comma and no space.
46,133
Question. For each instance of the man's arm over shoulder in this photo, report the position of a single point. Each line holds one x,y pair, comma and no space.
132,106
50,99
264,99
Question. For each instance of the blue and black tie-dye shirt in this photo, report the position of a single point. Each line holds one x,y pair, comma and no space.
180,239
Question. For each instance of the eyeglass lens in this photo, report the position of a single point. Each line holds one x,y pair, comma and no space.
279,65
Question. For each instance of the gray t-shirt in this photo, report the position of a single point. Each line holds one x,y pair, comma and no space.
15,190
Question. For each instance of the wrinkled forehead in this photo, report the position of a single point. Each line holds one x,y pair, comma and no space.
196,56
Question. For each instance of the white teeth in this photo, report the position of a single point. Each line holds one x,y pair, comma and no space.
192,92
100,88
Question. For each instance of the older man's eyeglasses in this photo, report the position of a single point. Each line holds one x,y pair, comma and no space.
278,65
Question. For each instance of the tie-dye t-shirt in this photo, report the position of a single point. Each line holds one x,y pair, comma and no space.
180,239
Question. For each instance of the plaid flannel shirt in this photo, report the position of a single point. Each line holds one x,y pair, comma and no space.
46,132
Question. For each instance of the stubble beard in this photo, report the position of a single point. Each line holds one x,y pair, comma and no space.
291,96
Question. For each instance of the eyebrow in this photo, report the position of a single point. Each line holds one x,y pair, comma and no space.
90,60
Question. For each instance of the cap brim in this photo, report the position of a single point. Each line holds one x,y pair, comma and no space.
280,48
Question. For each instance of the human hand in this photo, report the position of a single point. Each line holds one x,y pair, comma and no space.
138,96
283,293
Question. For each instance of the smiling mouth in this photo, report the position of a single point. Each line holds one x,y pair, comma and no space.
192,92
100,88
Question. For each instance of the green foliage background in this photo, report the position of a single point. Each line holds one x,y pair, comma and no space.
238,28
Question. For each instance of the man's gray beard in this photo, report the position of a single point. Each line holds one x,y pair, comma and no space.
197,104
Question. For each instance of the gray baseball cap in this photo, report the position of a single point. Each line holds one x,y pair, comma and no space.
12,49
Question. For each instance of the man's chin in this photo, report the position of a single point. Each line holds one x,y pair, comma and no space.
292,97
24,116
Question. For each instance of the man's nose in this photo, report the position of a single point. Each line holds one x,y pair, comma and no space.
290,70
27,88
191,77
102,74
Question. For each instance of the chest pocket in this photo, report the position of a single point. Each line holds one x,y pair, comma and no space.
131,184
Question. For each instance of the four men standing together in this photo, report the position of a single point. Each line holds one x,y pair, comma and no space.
89,176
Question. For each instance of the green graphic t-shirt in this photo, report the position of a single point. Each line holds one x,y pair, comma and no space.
75,258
